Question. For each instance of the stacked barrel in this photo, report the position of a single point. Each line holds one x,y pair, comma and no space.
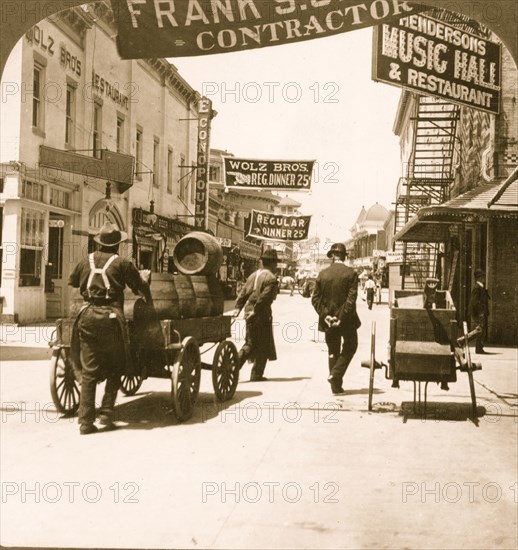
192,293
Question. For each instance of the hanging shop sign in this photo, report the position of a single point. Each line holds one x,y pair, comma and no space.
277,227
115,167
169,227
249,251
179,28
433,58
291,175
224,242
201,204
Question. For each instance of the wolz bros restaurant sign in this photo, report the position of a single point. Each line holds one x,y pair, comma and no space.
268,174
433,58
179,28
277,227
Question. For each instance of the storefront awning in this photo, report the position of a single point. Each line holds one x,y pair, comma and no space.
434,223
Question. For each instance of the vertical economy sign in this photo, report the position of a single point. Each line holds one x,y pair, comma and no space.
434,58
201,205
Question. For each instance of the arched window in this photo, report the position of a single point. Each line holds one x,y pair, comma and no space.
98,216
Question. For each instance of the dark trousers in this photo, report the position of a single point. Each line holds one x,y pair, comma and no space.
480,321
342,343
102,358
370,297
258,346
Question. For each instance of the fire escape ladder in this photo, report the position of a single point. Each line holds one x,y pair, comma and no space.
430,173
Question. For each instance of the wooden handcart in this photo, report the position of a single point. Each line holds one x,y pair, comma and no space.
167,348
424,347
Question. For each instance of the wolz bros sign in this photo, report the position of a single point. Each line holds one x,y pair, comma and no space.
179,28
433,58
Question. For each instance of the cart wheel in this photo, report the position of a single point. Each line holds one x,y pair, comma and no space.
186,378
64,387
225,371
131,384
372,365
469,369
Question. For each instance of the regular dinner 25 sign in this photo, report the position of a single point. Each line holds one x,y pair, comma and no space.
277,227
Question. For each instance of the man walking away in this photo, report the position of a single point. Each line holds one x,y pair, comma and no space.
370,288
479,306
257,296
100,345
334,299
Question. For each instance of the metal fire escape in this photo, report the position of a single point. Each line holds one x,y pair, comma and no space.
429,176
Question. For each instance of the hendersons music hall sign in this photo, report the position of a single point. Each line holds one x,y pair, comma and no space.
434,58
177,28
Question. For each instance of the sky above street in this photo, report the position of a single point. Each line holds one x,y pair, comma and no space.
311,100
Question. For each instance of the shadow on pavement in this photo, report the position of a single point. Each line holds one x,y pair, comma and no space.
155,410
440,411
363,391
24,353
294,379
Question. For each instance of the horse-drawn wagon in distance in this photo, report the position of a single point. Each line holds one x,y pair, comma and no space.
165,336
424,345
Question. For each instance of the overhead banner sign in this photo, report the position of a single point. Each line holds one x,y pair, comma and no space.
180,28
277,227
290,175
201,203
115,167
433,58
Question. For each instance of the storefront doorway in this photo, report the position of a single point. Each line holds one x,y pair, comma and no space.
54,276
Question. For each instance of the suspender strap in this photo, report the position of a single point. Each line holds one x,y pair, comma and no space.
99,271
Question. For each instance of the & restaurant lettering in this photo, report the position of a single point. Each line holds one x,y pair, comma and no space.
434,58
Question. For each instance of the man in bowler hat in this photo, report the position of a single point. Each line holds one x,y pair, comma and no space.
479,306
257,296
100,344
334,299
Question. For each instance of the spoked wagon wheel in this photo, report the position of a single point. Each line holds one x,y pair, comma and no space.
64,387
225,371
186,379
131,384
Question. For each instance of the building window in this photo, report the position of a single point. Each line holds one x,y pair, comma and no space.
37,96
33,191
215,173
120,134
183,180
139,140
31,247
70,114
97,130
169,170
60,198
156,162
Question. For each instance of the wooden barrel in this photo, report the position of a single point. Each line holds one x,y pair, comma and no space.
165,296
216,293
198,254
186,296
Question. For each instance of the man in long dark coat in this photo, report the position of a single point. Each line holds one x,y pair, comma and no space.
256,296
100,343
334,299
479,306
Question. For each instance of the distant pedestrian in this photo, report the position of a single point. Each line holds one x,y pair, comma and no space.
334,299
100,344
256,297
479,308
370,289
